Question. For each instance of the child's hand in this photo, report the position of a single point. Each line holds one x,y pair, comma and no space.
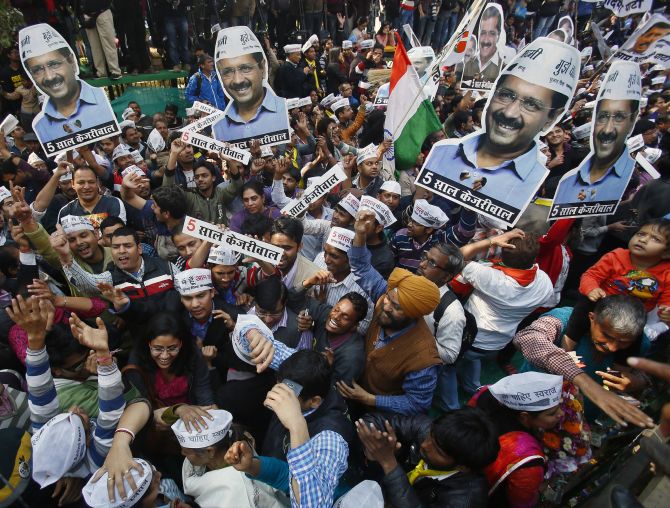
596,294
664,314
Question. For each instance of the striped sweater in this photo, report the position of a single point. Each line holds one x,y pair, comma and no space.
43,403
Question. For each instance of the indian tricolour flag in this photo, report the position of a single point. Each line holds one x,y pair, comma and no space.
410,116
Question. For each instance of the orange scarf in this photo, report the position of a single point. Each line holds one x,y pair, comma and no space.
523,276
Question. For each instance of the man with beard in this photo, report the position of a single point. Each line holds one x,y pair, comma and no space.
502,163
72,105
402,362
254,110
287,234
207,201
133,138
604,175
146,281
486,65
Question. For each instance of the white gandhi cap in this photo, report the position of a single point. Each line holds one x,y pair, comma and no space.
236,41
623,82
548,63
528,391
36,40
217,429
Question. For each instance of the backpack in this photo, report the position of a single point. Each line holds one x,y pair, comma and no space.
198,86
469,330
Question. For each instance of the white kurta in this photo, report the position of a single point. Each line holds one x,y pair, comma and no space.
228,488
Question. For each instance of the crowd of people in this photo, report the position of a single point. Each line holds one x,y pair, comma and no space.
403,350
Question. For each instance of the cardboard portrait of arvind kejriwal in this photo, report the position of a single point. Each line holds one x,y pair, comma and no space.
254,110
74,113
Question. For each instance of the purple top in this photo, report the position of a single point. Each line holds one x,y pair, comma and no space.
237,219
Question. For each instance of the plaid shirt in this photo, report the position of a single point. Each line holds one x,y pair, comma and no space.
537,344
317,466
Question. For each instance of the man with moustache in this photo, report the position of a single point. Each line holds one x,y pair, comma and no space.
72,105
486,65
604,175
501,163
255,110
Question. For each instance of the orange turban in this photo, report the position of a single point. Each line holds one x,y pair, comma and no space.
417,295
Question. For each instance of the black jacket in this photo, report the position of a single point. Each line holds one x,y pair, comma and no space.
153,294
290,81
349,357
461,490
330,415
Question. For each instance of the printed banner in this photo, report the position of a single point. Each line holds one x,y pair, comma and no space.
623,8
132,169
254,110
382,97
8,124
497,170
452,53
298,103
62,125
598,183
652,38
234,241
329,180
481,69
203,122
213,145
204,108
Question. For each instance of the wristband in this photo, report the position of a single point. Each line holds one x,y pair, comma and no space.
126,431
105,360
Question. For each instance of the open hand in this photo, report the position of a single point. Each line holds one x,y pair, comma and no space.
92,338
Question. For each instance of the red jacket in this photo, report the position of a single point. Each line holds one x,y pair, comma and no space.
550,258
615,274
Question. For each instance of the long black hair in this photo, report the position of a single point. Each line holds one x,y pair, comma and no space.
167,324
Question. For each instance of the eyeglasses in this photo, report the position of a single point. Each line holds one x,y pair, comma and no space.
53,65
527,104
260,312
431,263
618,118
244,69
159,350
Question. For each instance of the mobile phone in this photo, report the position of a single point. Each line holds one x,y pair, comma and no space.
616,373
295,387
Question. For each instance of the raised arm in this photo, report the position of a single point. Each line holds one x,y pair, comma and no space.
119,459
36,318
472,249
360,258
46,195
535,343
92,162
110,387
129,188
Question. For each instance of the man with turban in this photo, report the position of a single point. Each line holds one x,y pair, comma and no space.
402,361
